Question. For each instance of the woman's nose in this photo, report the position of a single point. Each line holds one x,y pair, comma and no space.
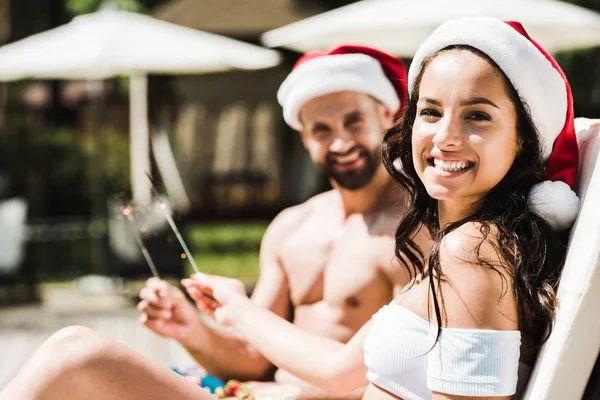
448,135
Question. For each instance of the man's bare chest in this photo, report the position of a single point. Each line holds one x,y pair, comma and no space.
339,265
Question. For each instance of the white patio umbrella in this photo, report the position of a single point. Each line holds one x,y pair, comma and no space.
400,26
109,43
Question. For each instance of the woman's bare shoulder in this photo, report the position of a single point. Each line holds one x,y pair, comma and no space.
477,287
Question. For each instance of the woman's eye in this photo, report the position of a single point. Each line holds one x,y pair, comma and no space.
429,113
479,116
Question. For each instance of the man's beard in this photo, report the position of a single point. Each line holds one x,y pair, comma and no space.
353,179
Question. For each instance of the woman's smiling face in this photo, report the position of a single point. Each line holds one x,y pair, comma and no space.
464,138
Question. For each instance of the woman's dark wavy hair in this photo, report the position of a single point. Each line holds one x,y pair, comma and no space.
530,251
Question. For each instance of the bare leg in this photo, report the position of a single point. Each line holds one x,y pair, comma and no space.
77,363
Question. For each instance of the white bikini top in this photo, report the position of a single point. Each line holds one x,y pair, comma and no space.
465,362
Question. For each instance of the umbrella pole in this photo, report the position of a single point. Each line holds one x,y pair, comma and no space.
96,170
139,146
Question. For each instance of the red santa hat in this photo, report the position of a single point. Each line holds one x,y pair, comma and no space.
542,84
344,68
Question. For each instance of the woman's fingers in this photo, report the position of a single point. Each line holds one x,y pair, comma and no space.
207,310
203,299
223,288
160,293
150,295
193,286
153,312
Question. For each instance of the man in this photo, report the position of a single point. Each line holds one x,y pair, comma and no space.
326,265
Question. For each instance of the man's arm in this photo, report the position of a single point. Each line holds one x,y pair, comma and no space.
222,352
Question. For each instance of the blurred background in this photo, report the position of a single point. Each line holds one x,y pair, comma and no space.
218,151
225,157
64,149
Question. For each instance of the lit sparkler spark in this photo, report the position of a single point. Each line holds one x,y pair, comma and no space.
127,212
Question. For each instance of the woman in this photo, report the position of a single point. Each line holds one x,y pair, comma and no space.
484,299
486,107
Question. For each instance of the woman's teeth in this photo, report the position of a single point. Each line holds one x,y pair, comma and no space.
350,158
451,166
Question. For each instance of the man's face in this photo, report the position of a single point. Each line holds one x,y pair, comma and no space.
342,133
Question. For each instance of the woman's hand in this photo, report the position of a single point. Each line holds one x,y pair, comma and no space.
165,310
215,295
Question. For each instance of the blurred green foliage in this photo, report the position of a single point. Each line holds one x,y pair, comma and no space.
65,172
230,234
77,7
242,266
228,249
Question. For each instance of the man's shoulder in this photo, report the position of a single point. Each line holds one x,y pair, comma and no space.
292,217
318,202
328,198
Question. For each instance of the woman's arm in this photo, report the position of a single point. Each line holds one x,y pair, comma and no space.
323,362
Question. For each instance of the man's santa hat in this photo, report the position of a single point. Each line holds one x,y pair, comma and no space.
344,68
542,85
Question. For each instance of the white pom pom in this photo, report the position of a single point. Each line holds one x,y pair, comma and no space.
555,202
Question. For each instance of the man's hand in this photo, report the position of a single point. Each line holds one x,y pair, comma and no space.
215,294
166,311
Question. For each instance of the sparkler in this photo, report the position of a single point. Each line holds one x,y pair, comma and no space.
127,212
167,214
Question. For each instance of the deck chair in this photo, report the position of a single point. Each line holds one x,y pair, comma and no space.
18,283
566,360
13,214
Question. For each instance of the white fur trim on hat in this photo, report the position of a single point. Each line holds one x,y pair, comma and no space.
555,202
398,164
330,74
532,75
